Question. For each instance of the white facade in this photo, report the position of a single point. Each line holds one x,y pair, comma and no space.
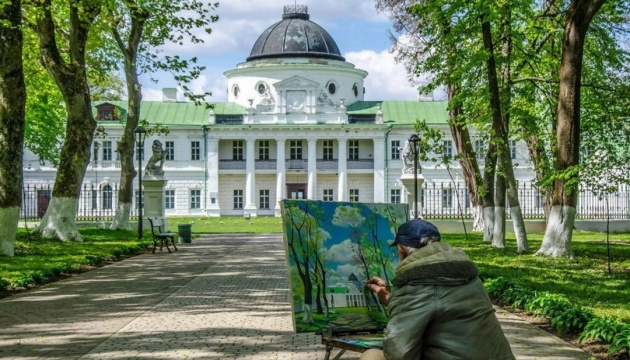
293,126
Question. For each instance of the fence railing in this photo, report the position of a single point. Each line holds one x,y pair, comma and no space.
442,200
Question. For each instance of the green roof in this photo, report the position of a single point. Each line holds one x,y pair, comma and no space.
404,112
189,113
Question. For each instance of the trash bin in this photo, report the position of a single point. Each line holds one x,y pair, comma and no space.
185,233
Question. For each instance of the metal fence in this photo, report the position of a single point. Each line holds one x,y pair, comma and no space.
442,200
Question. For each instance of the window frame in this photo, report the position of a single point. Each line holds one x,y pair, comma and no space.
295,150
263,149
353,195
238,199
169,149
195,199
353,149
328,149
169,199
238,147
195,150
264,199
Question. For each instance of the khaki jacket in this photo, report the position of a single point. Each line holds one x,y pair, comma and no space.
439,310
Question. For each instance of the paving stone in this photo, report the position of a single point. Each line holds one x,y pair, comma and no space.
219,297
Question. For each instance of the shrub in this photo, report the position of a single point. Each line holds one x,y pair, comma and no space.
572,319
547,304
621,341
602,329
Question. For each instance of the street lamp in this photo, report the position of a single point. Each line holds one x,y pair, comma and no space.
141,135
413,141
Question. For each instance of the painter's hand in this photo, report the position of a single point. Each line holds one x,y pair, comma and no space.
379,287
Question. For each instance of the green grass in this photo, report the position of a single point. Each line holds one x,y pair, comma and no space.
229,224
583,280
37,260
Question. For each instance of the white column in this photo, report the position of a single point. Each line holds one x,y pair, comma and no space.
342,169
212,194
312,169
280,173
250,182
379,170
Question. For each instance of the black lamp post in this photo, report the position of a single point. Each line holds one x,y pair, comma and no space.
413,141
141,135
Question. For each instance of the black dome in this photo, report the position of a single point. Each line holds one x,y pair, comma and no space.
295,36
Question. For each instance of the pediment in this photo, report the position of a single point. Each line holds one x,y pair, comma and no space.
296,82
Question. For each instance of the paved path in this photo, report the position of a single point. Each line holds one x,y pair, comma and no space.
220,297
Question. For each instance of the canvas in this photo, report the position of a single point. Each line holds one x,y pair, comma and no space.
332,249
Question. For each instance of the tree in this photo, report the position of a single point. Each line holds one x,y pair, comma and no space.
139,28
64,57
559,231
12,115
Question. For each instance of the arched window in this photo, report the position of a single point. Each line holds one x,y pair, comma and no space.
107,197
332,88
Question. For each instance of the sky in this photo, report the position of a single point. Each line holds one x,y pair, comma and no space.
361,34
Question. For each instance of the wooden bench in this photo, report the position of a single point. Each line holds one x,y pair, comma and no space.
160,235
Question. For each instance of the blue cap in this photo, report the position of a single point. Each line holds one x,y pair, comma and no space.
410,233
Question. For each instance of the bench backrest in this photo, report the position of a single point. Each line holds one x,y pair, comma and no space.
156,224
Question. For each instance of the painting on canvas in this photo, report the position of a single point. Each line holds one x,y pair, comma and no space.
332,249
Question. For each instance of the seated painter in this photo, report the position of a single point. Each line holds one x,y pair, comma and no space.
438,307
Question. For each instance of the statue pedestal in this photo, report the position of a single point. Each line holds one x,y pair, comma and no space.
154,197
408,182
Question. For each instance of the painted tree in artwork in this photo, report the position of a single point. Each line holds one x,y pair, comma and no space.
366,254
304,239
318,237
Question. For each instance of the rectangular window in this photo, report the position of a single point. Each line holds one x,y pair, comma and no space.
447,198
354,195
394,196
237,150
139,201
480,149
169,148
195,150
263,150
107,151
295,149
264,199
94,199
195,199
353,150
395,149
95,147
169,199
328,195
328,149
238,199
513,149
448,148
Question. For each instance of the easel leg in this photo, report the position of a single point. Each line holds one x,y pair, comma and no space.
329,350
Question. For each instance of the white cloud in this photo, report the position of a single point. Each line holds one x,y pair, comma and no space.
342,252
387,80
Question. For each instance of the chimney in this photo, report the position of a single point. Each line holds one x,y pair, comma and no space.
169,95
424,96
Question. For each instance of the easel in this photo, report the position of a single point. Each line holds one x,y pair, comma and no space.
340,341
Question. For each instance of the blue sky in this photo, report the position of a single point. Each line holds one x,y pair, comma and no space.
360,32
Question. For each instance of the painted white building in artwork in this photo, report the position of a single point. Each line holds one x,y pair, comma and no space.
295,125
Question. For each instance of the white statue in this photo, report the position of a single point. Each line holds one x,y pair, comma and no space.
152,167
407,158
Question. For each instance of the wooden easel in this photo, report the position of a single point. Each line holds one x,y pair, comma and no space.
333,340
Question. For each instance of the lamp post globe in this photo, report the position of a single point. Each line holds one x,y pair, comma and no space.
141,134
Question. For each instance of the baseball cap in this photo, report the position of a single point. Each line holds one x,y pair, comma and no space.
410,233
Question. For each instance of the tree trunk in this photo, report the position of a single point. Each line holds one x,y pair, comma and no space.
71,78
12,114
498,234
126,146
557,240
467,160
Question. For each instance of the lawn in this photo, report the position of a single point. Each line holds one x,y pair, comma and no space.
584,280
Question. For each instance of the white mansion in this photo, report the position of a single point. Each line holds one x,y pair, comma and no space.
295,125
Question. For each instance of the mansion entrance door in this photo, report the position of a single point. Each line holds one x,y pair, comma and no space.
296,191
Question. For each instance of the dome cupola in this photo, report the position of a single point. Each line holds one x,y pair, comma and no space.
295,36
